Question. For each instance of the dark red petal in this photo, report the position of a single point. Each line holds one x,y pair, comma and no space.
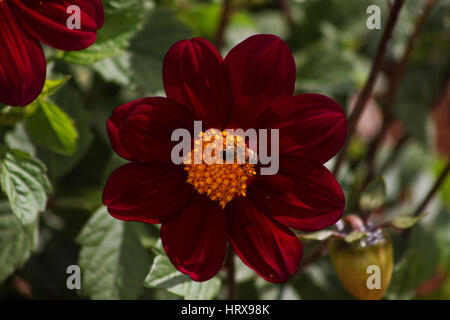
113,125
195,241
151,194
47,21
22,62
261,69
265,245
312,126
145,134
304,195
194,76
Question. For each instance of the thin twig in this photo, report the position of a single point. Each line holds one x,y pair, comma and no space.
433,190
285,7
366,92
223,23
396,150
398,76
229,264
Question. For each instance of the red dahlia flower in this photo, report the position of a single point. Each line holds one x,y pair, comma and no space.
251,88
23,23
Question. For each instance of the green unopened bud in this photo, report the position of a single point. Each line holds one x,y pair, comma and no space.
364,267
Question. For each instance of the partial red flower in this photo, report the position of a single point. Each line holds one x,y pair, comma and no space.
251,88
23,23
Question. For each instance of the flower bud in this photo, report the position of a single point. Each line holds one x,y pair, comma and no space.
365,266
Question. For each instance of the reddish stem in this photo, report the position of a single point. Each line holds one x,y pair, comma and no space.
229,263
366,92
224,20
440,180
397,78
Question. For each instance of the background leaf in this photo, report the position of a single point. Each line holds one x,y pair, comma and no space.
405,222
25,183
122,20
112,258
417,265
333,51
161,31
355,235
163,275
50,127
16,242
374,196
318,235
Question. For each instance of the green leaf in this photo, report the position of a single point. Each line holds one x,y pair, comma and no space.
355,236
51,128
163,275
405,222
25,183
203,18
18,139
374,196
52,86
71,102
441,228
444,191
150,45
417,265
112,258
122,20
16,242
116,69
12,115
318,235
415,99
140,66
327,67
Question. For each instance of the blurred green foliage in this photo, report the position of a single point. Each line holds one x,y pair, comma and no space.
65,130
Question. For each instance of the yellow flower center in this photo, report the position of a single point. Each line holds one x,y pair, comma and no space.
221,182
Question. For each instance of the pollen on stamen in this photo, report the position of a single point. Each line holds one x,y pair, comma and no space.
220,182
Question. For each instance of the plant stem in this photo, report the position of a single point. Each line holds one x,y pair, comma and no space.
224,19
366,92
285,7
433,190
318,253
281,289
397,78
229,263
